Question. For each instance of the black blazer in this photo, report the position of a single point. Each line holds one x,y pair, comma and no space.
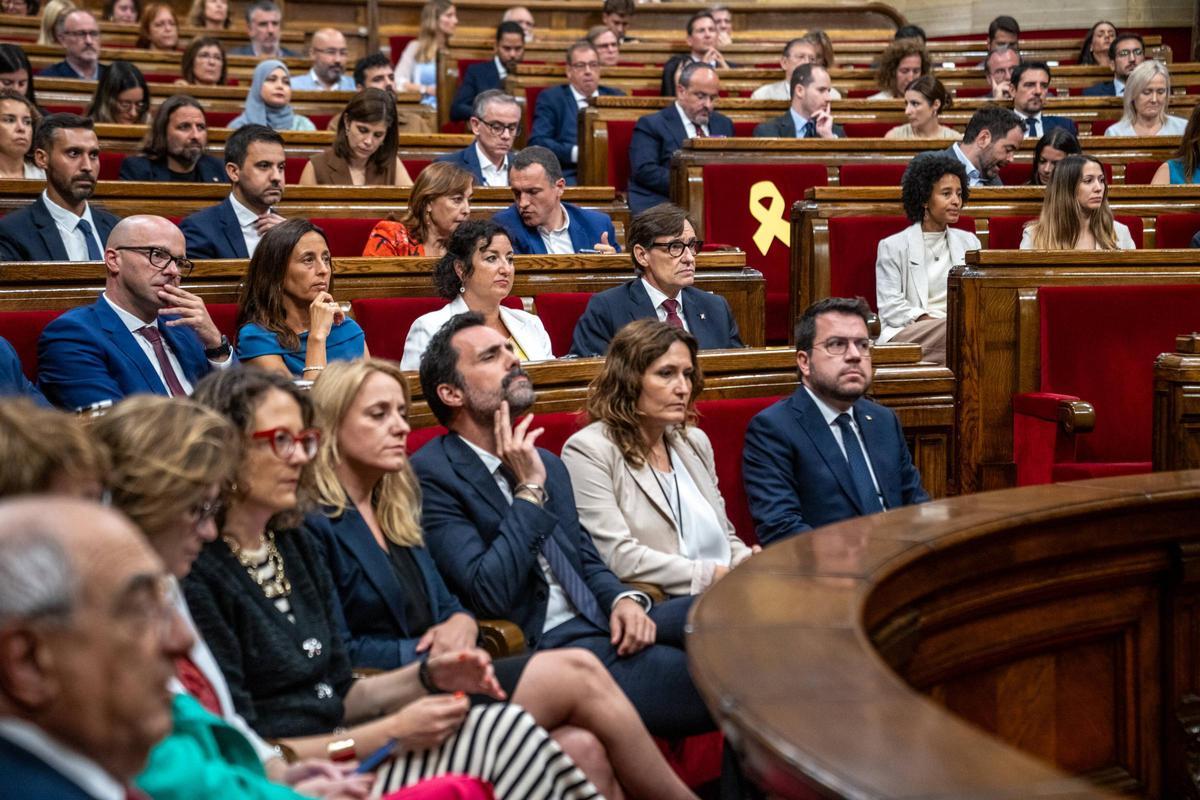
1105,89
139,168
32,235
214,232
668,75
479,78
784,127
655,139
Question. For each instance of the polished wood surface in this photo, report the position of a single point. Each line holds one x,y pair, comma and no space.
296,144
1177,406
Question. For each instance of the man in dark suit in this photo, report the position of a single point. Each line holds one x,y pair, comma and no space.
657,136
510,49
1126,52
539,222
825,454
810,116
254,163
500,521
87,646
556,120
175,149
702,44
79,34
495,121
60,225
145,333
264,23
1031,84
662,244
990,141
13,382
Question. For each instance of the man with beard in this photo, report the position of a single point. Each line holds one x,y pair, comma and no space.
989,143
79,34
1031,85
1126,53
510,49
825,454
174,151
500,521
254,162
328,52
60,225
144,334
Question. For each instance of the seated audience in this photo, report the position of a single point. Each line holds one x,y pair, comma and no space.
374,72
269,101
902,62
1003,31
496,123
1051,149
607,44
125,12
1075,213
145,333
1182,169
723,18
826,453
1126,52
212,15
174,147
16,73
159,30
439,202
809,116
47,451
702,42
644,476
328,53
510,49
264,23
555,123
539,222
18,120
998,67
475,275
79,34
989,142
910,32
1095,49
364,151
369,524
122,96
657,136
60,225
1031,85
924,100
254,164
1147,97
203,63
13,382
616,15
825,55
912,267
22,8
663,246
287,319
501,525
802,50
523,17
51,12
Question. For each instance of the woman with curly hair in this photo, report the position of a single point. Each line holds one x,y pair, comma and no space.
912,267
902,62
1075,213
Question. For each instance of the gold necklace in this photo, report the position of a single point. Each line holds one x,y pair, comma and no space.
278,585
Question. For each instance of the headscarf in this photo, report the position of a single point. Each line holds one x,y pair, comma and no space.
257,111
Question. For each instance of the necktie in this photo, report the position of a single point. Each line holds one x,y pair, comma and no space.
672,309
700,134
859,472
810,129
1031,124
89,237
197,684
152,334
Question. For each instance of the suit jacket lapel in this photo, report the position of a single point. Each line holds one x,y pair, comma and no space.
470,468
648,483
356,537
918,276
812,422
233,230
675,126
639,302
787,124
697,319
129,348
48,231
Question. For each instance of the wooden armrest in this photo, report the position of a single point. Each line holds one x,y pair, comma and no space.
651,590
1072,414
1076,416
874,326
501,637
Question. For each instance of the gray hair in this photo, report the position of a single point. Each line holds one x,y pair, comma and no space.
263,5
537,155
492,97
690,69
1001,50
1141,76
576,46
36,576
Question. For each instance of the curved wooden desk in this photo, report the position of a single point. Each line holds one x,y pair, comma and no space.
1063,621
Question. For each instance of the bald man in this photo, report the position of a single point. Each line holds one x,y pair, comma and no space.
523,17
88,641
145,333
328,53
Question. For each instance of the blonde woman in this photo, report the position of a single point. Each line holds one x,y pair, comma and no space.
1075,213
50,14
416,71
1147,96
211,15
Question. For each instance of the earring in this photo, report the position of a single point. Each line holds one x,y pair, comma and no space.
462,290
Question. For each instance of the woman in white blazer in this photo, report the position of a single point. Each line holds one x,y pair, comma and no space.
643,475
1075,213
912,267
476,274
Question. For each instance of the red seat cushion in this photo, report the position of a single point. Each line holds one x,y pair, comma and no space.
620,132
110,165
871,174
1175,230
867,130
292,170
22,329
1004,233
224,316
1139,173
697,759
1136,228
385,321
1101,125
531,98
559,426
725,421
415,165
558,312
220,119
347,236
744,127
396,45
1016,173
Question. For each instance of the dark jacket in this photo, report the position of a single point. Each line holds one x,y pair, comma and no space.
13,382
479,78
64,70
556,125
139,168
32,235
467,159
586,228
668,74
655,139
1105,89
784,127
214,232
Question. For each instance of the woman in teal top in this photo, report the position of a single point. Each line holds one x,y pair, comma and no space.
1185,166
287,319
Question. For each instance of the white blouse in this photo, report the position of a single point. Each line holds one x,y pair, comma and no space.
701,537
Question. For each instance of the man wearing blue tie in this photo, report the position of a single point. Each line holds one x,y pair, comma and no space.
60,225
1031,86
810,116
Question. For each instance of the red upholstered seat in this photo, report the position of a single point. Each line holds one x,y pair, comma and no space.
696,759
1175,230
531,98
385,320
321,121
1126,328
224,316
725,421
293,169
1004,233
867,130
422,436
220,119
347,236
760,228
871,174
559,425
744,128
1139,173
620,132
110,165
396,45
1101,125
972,91
1015,173
558,312
415,165
22,329
159,77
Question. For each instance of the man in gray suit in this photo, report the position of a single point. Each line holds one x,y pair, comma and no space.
810,116
992,138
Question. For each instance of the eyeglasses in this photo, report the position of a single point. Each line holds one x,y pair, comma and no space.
333,51
588,65
838,345
204,511
676,246
81,35
283,442
131,105
160,259
1137,51
499,128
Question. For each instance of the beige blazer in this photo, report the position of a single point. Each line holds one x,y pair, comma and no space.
624,510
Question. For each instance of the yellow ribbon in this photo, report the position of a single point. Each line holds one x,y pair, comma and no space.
772,222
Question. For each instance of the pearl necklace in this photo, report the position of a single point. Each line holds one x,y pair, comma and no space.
278,585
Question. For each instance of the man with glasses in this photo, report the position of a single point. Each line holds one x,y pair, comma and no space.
999,66
79,33
495,121
329,53
826,454
657,136
144,333
1126,52
556,118
60,225
662,244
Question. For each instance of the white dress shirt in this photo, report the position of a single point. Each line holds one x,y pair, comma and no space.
558,242
800,122
656,300
76,768
701,535
974,176
492,175
689,127
500,68
246,219
68,229
831,414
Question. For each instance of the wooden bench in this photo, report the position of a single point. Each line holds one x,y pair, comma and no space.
1176,416
24,30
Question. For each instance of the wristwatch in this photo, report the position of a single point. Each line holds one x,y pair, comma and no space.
220,351
534,489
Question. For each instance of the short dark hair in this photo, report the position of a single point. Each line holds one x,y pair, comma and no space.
694,18
262,5
690,69
1029,66
468,238
1112,47
994,119
625,7
1003,23
925,170
53,123
238,143
806,326
439,363
154,146
13,59
664,219
509,27
910,32
537,155
932,90
802,76
365,63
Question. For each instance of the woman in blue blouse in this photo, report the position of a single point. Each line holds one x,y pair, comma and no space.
1185,166
287,319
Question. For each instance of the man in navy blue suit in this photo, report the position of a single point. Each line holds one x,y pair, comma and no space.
60,225
88,643
13,382
1126,52
174,151
556,120
1031,85
825,454
539,222
810,116
510,49
79,34
495,121
500,521
657,136
254,163
145,334
662,245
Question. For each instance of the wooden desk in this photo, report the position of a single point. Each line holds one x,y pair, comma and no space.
1176,414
